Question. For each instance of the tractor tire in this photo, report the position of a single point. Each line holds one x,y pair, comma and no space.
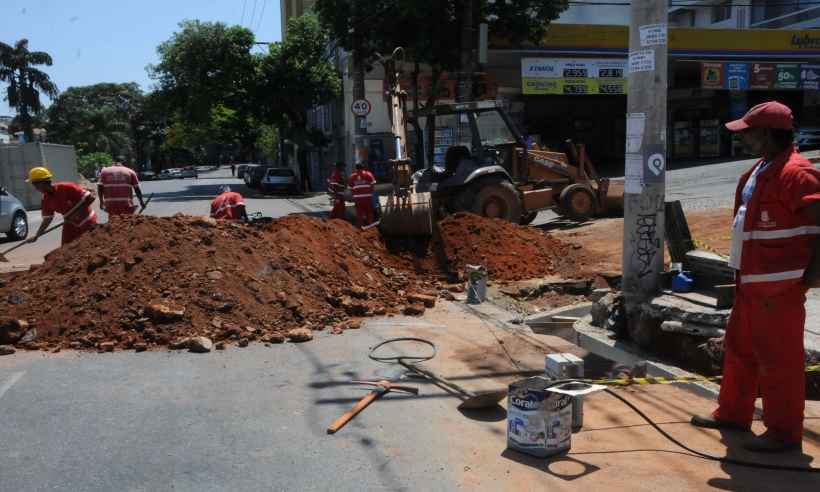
497,199
577,202
528,217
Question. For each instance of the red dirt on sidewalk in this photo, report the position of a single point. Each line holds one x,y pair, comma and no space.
507,250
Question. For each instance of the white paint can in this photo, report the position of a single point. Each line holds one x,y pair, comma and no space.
539,422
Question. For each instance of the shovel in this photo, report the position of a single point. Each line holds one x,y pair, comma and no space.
3,254
469,399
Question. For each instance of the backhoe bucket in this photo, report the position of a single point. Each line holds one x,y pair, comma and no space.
409,216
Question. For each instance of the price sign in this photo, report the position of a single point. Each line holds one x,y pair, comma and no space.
361,107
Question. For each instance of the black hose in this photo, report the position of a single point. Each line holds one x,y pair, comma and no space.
401,358
730,461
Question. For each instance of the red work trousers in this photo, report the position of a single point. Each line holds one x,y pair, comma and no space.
364,210
764,353
119,210
338,211
72,232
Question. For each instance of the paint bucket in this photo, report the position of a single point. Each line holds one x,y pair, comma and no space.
539,422
476,284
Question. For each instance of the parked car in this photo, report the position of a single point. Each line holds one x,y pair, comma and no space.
240,170
246,174
808,138
148,176
172,173
188,172
255,175
279,179
13,219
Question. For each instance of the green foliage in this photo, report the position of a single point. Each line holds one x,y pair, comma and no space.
25,83
268,141
97,118
296,75
87,164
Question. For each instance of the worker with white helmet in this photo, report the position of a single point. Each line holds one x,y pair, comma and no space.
65,198
228,205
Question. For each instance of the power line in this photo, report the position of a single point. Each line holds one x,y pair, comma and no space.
699,5
261,15
242,20
253,15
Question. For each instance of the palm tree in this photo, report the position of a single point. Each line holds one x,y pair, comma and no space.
25,82
102,131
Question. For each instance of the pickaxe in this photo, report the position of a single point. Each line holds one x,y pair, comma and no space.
381,387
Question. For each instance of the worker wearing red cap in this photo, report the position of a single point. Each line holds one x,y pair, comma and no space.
336,188
65,198
776,255
228,205
116,188
361,185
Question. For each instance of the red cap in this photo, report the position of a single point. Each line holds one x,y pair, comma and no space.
770,114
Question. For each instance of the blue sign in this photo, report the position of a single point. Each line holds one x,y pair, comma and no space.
810,76
737,76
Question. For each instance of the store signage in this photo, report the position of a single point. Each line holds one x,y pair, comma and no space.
810,77
737,76
787,76
573,76
762,76
711,75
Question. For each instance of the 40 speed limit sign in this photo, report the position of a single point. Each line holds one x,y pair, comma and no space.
361,107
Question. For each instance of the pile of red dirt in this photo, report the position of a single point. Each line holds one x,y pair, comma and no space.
507,250
141,282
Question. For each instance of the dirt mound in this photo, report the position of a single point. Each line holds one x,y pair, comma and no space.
140,282
508,251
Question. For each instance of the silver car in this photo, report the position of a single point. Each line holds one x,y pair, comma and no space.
13,219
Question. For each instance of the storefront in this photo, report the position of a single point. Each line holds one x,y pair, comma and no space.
574,85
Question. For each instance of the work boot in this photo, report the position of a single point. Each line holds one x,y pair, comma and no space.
770,443
710,422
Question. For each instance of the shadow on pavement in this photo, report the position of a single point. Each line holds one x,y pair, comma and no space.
496,413
575,468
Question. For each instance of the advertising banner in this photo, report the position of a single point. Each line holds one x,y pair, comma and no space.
787,76
762,76
810,76
566,76
711,75
737,76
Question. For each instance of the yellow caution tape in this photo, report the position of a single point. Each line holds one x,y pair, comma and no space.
672,380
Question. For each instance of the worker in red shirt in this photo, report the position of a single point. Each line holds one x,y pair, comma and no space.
776,254
116,188
336,188
361,184
65,198
228,205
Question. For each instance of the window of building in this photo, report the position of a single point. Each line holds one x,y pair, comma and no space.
722,12
682,18
763,10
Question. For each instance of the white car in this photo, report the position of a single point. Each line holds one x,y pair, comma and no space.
279,179
13,219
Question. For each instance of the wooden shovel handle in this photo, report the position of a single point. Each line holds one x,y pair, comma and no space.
348,416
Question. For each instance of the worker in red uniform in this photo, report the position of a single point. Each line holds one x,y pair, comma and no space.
228,205
116,188
361,185
336,188
776,252
65,198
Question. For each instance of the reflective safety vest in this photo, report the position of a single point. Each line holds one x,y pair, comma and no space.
118,185
777,237
225,206
361,184
336,184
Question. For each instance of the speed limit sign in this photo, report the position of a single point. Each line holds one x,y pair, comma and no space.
361,107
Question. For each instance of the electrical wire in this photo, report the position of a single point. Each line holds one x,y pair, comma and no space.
261,15
253,15
698,5
721,459
242,19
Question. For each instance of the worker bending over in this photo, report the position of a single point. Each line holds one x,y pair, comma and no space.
65,198
776,255
336,188
228,205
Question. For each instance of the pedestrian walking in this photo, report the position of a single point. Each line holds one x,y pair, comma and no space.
233,169
776,254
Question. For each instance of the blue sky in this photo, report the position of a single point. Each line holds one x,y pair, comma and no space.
95,41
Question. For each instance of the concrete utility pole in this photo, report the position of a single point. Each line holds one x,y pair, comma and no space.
359,93
466,76
645,163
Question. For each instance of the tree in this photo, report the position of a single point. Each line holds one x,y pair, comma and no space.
268,142
295,76
88,164
97,118
25,82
